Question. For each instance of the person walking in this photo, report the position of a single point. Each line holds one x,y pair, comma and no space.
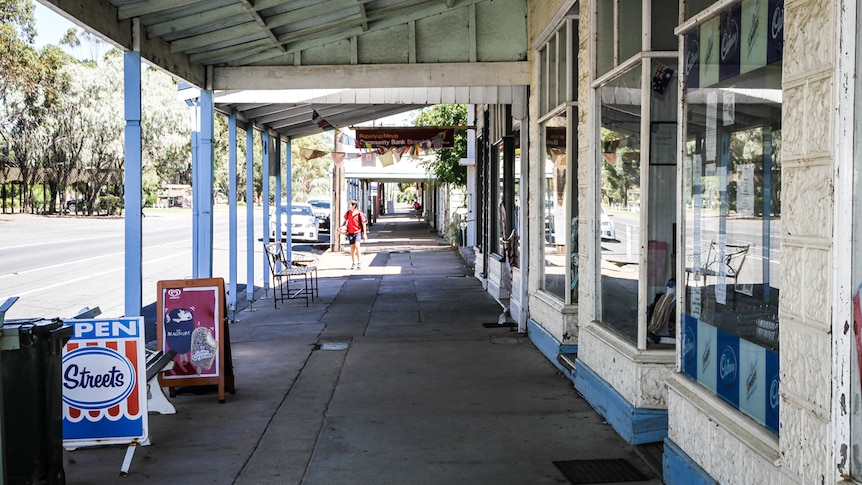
356,225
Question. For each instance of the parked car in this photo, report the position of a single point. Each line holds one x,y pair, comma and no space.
304,225
608,230
323,211
75,205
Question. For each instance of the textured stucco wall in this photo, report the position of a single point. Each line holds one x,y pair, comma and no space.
638,376
806,240
720,441
557,319
587,173
540,13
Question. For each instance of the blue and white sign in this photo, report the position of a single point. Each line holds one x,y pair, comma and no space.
96,378
742,373
104,383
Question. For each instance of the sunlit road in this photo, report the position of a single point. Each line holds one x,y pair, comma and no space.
58,265
761,265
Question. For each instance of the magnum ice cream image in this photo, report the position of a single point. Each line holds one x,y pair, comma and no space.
179,324
203,348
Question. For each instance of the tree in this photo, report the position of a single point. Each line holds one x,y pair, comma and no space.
166,133
91,43
311,175
101,106
446,167
622,177
31,85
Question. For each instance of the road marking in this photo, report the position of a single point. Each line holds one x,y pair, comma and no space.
87,276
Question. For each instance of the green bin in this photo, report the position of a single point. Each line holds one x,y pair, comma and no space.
31,361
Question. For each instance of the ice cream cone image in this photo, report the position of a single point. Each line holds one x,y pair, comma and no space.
204,348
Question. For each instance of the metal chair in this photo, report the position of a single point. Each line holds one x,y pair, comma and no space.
283,271
730,260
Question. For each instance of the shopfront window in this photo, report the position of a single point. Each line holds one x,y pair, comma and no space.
558,204
732,208
504,221
507,206
620,199
554,199
515,237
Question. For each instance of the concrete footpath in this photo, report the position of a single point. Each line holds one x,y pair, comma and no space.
389,377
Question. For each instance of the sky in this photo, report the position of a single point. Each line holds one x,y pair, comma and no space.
51,27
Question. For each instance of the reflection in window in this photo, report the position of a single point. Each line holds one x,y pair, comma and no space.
554,197
515,236
507,205
620,200
624,163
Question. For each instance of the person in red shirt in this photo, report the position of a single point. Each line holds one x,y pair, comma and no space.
357,230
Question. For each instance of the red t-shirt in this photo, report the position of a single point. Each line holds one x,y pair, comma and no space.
354,222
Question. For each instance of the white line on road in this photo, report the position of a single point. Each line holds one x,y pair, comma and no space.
90,275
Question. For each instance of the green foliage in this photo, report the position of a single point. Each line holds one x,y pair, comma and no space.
111,204
619,180
18,15
446,167
31,88
312,176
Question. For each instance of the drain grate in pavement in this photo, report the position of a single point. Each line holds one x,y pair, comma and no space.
330,346
499,325
599,471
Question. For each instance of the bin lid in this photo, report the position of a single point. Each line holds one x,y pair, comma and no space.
35,328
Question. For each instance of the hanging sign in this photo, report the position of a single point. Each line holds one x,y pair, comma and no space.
404,137
191,321
104,383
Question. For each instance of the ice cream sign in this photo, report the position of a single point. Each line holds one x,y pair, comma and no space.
103,380
190,321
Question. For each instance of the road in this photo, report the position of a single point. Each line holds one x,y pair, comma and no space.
57,265
740,230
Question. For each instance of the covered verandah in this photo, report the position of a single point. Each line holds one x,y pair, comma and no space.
272,66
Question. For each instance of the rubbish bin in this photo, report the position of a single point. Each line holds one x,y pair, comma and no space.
31,361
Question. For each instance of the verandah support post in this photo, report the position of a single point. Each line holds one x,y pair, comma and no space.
288,188
264,203
249,213
232,196
202,174
133,185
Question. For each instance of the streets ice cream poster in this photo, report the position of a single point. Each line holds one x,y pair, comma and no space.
190,328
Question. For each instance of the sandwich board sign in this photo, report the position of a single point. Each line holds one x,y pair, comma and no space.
104,383
190,320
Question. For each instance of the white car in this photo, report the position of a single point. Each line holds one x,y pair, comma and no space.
607,230
304,225
323,211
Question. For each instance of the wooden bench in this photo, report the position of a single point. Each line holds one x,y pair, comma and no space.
158,362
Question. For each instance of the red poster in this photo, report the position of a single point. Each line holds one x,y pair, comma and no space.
190,326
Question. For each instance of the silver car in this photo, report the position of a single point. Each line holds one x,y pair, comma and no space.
304,225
